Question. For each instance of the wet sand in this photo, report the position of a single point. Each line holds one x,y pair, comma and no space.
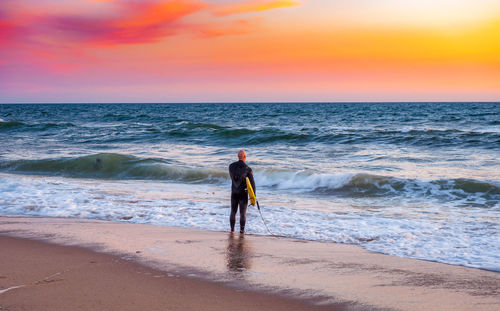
144,267
40,276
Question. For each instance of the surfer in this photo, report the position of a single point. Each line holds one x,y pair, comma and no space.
97,164
239,196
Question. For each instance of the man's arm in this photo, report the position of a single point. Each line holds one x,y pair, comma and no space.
231,169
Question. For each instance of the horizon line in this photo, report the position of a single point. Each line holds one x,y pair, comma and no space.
250,102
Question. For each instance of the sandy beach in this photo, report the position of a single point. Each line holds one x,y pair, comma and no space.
70,278
70,264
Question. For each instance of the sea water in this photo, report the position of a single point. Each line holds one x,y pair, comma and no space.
419,180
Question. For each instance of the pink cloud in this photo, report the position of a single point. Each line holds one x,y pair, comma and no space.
121,22
139,22
11,29
7,30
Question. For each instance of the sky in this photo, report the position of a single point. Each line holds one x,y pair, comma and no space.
249,50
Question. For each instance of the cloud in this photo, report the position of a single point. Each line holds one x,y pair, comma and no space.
253,6
10,30
104,32
7,30
235,27
146,14
138,22
124,22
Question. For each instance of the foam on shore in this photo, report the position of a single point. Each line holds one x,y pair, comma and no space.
398,226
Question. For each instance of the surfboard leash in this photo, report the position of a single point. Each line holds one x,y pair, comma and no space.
258,207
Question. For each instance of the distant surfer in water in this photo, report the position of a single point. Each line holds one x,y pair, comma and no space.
97,164
239,195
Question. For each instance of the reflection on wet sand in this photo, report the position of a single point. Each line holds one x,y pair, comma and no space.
238,255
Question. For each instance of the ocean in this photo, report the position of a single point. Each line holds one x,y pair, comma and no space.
418,180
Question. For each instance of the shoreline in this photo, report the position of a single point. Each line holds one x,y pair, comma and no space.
328,274
449,236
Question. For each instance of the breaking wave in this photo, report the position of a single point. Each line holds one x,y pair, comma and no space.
120,166
368,185
114,166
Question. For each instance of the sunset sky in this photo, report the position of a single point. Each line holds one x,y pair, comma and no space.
250,50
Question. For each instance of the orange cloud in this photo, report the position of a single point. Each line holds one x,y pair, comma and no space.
236,27
148,14
253,6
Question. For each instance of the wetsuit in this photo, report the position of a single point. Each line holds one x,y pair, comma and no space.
239,194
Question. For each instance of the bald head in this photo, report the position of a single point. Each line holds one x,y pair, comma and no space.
242,155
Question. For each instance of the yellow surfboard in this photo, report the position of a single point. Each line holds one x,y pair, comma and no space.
251,194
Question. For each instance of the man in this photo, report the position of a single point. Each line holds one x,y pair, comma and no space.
239,195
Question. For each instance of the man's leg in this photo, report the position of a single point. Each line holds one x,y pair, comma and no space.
243,202
234,209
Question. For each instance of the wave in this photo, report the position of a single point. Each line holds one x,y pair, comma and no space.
368,185
114,166
120,166
199,125
10,124
56,125
212,133
7,125
118,117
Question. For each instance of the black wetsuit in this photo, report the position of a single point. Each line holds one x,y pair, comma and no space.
239,194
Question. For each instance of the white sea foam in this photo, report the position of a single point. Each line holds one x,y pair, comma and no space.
489,129
396,226
301,180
